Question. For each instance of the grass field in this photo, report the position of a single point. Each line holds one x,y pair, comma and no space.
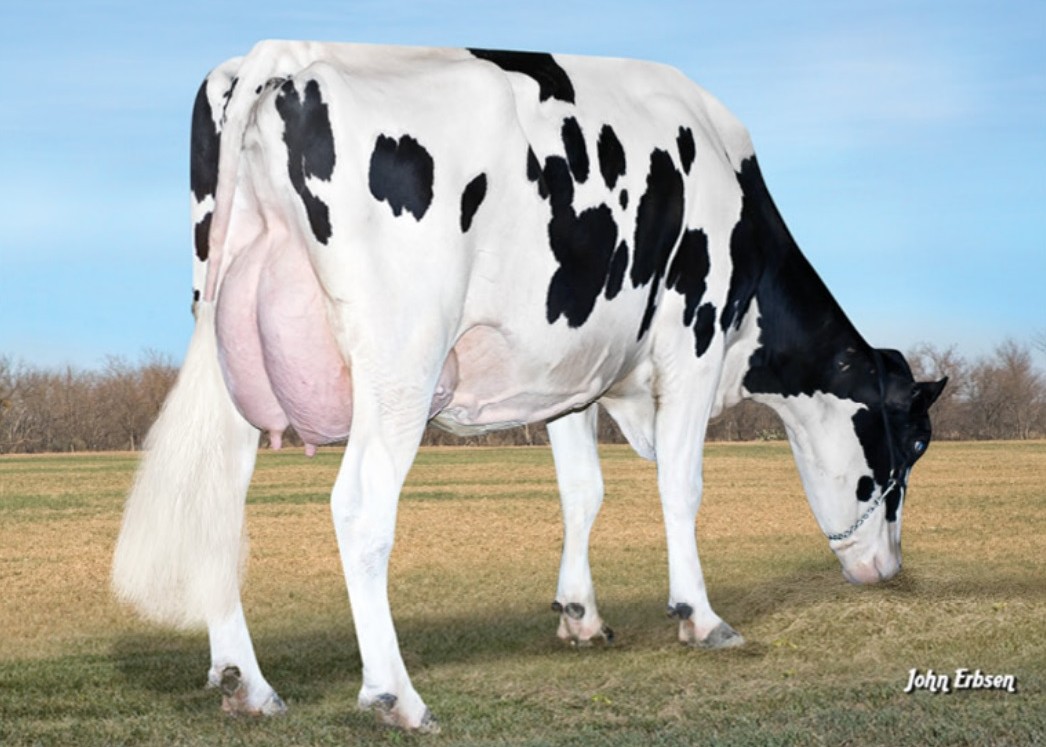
473,573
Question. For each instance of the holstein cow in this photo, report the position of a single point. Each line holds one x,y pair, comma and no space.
389,236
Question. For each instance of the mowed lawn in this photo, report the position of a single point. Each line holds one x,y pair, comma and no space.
473,574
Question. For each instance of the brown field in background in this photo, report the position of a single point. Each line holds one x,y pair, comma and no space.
474,570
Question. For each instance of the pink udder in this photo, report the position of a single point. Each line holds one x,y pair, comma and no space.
281,362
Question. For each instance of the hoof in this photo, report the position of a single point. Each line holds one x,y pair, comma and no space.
605,634
574,630
384,708
721,637
274,706
235,700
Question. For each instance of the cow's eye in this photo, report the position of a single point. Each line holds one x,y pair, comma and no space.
919,447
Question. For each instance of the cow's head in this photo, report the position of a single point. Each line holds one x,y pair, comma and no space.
855,452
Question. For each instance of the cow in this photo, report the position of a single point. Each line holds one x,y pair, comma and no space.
388,236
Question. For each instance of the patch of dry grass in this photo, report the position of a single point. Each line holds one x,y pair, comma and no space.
472,575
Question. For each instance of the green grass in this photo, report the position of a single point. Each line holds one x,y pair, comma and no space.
473,573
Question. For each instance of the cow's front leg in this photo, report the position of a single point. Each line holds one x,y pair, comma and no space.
680,437
235,671
573,439
363,506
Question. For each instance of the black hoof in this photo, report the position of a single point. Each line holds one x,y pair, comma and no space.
722,636
429,724
274,706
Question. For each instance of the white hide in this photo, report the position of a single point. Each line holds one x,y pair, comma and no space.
831,461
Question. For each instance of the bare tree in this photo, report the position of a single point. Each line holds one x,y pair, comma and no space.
930,363
1039,340
1007,394
997,396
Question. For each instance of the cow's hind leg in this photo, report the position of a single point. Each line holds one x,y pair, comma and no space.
234,666
573,439
380,451
235,671
181,545
681,425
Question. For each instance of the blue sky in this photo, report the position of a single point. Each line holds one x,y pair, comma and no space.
904,141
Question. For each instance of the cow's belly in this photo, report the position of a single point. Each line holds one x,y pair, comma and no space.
504,381
281,363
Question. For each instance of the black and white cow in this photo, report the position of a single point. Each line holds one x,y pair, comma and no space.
388,236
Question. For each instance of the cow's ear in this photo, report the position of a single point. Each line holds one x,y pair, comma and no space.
925,393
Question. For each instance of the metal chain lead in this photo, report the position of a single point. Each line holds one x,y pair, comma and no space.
864,517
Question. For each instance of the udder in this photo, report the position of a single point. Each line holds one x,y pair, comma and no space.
281,362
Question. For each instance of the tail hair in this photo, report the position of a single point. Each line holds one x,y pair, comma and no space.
182,545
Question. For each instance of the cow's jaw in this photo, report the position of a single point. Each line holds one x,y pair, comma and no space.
832,463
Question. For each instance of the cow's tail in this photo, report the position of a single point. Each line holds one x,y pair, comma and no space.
182,544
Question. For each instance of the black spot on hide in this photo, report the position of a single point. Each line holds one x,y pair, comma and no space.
310,149
618,267
865,488
206,145
203,164
658,223
471,199
535,174
574,145
401,173
704,328
687,148
688,275
553,81
753,241
202,236
611,159
227,96
582,244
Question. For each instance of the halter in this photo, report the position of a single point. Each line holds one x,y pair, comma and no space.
890,487
893,483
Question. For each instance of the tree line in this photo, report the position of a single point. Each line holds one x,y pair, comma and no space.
996,396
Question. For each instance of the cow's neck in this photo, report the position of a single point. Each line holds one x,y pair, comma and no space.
795,338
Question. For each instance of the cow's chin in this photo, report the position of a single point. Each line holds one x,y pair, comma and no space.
871,572
872,555
869,559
